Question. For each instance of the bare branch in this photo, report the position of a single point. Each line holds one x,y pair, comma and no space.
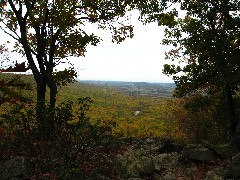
53,46
16,38
13,7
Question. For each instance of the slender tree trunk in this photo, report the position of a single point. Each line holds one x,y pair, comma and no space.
231,109
41,109
53,93
234,122
41,91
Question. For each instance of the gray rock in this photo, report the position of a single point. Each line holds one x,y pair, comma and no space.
134,163
198,152
150,141
169,176
156,177
234,169
227,150
18,167
216,174
166,161
189,172
166,145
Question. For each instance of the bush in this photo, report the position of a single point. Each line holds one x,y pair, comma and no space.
194,119
74,134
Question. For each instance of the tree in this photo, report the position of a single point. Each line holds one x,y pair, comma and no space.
10,87
207,42
48,31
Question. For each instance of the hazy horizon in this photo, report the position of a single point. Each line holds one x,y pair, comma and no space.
126,81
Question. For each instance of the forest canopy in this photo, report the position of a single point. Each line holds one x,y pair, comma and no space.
207,45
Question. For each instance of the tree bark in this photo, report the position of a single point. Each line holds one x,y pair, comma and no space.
53,93
41,91
231,109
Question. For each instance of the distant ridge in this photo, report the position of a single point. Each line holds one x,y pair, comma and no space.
156,90
125,82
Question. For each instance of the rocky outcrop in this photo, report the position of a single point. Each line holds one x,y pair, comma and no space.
16,168
168,160
234,169
198,152
227,150
135,163
155,159
216,174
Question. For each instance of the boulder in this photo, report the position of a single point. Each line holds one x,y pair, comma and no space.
189,172
16,168
169,176
134,163
198,152
156,177
216,174
227,150
166,161
233,170
166,145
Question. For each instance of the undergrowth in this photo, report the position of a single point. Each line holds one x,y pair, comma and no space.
75,145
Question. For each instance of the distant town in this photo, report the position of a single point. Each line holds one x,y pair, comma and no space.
155,90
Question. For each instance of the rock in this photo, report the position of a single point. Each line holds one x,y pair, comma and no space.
134,163
167,145
234,169
16,168
198,152
189,172
137,113
166,161
169,176
216,174
156,177
150,141
211,175
226,150
158,159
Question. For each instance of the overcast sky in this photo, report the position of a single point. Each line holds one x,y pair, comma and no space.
138,59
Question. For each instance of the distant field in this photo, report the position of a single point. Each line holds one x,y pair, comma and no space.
156,90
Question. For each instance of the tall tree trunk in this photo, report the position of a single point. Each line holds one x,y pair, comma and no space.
41,91
53,93
41,109
231,109
234,122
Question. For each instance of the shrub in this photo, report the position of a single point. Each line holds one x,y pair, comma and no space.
194,119
74,134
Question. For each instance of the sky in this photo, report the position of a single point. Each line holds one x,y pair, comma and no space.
138,59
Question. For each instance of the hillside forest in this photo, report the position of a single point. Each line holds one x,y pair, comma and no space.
66,127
